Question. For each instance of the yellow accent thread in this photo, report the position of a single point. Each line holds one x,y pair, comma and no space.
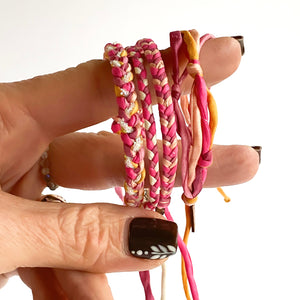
191,45
226,198
118,91
185,240
135,165
143,175
123,53
213,121
126,188
189,201
135,108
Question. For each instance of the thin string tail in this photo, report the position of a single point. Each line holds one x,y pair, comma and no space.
187,259
163,281
145,279
213,116
226,198
119,192
185,240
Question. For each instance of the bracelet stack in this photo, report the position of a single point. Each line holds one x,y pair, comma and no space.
193,118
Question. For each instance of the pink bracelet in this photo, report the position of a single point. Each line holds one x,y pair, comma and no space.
128,124
193,178
196,135
152,200
167,119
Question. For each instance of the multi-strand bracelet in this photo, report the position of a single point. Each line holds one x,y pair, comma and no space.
194,119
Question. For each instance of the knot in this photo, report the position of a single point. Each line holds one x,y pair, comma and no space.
189,201
176,92
194,68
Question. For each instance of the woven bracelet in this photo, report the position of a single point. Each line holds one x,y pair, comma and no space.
128,124
167,119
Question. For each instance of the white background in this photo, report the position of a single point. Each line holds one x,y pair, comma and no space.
248,249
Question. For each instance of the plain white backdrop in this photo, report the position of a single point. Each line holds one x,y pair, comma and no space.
249,248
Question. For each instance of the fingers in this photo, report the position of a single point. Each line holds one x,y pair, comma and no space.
47,283
95,161
4,277
43,283
84,285
232,165
79,97
97,238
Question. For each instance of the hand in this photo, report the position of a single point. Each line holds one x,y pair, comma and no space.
40,239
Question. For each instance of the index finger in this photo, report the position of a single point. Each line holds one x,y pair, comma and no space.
79,97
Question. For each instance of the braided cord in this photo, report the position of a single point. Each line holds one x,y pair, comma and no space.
128,124
152,200
167,119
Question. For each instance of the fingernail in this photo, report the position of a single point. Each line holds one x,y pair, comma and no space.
240,39
152,238
258,150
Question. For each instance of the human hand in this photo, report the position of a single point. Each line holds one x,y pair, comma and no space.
85,240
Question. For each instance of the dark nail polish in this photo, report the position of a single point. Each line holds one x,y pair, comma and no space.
240,39
258,150
152,238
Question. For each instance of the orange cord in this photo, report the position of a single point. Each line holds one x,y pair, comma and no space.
226,198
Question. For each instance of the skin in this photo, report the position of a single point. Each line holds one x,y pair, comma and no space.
62,251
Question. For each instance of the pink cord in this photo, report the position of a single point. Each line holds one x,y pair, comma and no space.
187,260
145,279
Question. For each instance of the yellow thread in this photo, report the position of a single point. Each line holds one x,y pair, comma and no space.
123,53
226,198
134,165
213,112
189,201
143,175
191,45
118,91
126,187
135,108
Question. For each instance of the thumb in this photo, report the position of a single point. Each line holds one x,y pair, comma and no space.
99,238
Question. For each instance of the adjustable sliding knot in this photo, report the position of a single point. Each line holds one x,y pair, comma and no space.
194,68
176,91
189,201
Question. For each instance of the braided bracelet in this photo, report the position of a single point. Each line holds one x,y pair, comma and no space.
128,124
167,119
152,201
198,135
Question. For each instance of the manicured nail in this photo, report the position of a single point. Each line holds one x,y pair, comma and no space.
258,150
152,238
240,39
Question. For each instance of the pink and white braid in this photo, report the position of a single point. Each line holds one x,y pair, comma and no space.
128,124
150,202
167,119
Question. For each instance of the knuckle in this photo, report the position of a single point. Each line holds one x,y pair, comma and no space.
88,236
82,238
